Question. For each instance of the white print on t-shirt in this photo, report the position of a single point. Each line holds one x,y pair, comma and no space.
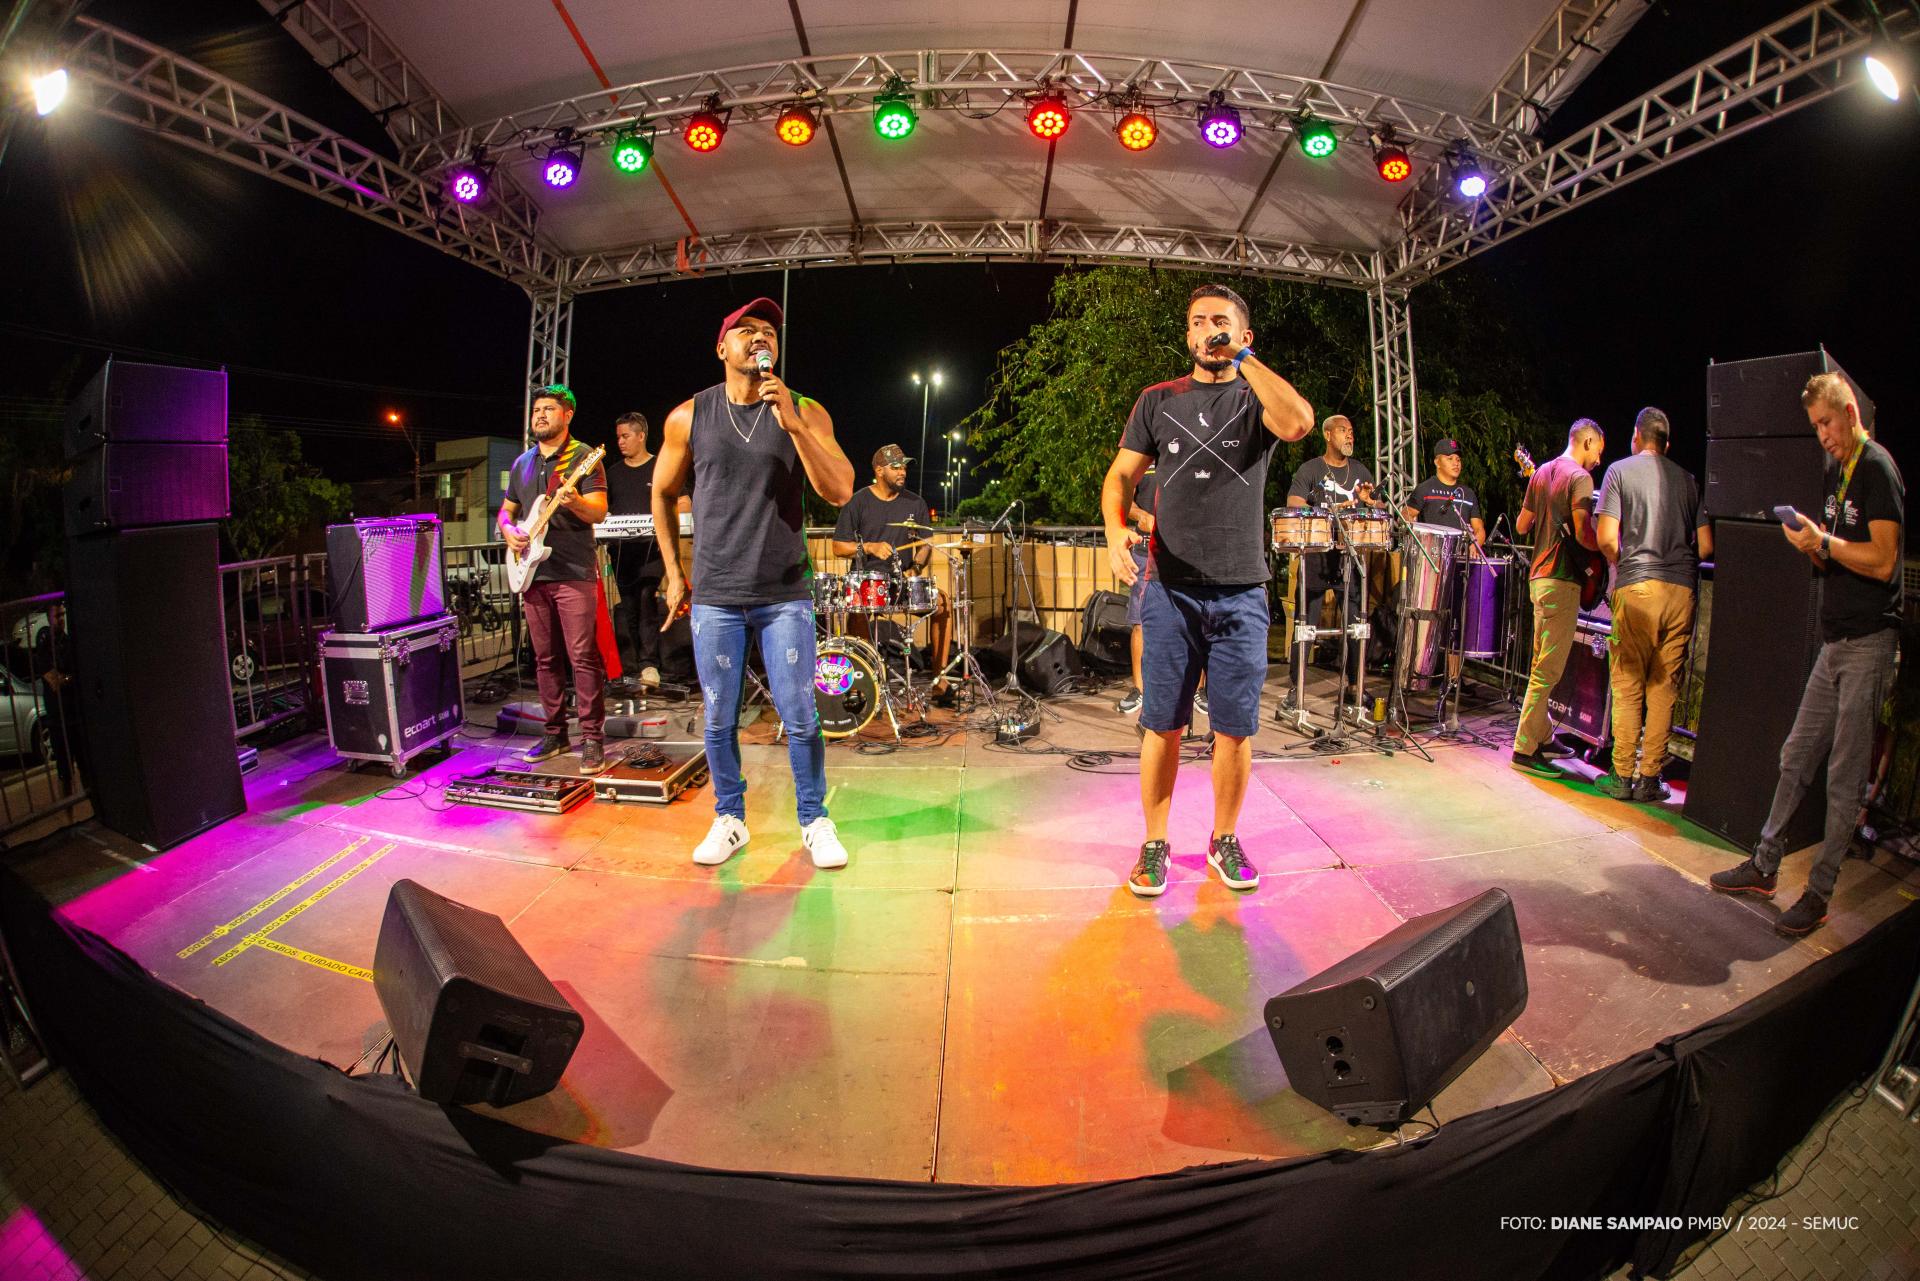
1853,514
1173,446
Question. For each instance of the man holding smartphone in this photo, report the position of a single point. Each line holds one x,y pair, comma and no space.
1856,550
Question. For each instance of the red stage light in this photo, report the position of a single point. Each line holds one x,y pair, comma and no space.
704,131
1394,165
1049,117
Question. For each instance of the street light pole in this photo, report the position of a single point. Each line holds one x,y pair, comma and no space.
394,419
927,385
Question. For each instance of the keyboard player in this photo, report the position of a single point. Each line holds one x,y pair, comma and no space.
636,560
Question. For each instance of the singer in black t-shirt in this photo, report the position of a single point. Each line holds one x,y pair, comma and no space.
1210,436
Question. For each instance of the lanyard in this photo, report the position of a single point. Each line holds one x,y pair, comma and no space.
1846,478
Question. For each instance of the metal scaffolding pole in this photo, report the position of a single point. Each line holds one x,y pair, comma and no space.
549,347
1396,411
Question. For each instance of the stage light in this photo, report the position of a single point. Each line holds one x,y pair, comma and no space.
632,152
563,161
705,127
1469,179
1315,136
797,125
49,91
1219,123
468,182
1883,69
893,114
1049,117
1136,130
1389,157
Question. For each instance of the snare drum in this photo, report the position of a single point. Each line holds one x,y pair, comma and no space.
1369,529
921,593
829,593
871,591
1301,529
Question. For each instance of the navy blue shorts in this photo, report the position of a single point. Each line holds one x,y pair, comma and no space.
1139,551
1221,631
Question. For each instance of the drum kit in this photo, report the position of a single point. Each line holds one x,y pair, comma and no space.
857,677
1452,598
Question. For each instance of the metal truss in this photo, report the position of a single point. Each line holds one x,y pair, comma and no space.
1002,240
354,51
139,83
1568,45
1396,409
1801,59
979,82
549,346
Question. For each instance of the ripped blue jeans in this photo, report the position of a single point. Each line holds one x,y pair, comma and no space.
720,637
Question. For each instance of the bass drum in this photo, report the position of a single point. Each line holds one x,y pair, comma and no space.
846,685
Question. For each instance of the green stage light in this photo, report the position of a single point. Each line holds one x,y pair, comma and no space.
632,153
1315,136
893,114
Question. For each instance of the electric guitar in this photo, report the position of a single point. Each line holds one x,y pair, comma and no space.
520,567
1590,568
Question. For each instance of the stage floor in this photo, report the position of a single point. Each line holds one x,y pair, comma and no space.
976,997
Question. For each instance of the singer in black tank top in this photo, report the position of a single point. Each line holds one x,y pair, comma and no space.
748,444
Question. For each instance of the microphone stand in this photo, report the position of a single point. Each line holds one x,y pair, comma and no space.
1013,685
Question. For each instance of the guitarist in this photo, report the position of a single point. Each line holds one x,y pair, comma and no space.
1559,504
562,601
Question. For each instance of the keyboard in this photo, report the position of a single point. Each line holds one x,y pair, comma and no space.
638,526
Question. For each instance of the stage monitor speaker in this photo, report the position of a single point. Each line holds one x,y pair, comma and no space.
385,573
1748,476
473,1017
1762,397
150,659
1374,1038
1763,637
119,485
1105,635
132,403
1049,664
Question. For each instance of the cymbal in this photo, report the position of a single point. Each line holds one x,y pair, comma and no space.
913,524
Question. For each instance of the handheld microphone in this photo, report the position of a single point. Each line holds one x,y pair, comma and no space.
764,359
1218,341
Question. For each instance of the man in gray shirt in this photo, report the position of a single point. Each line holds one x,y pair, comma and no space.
1651,527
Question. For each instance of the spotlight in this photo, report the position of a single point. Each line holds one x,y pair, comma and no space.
563,160
706,127
893,114
1315,136
1219,123
632,152
1389,157
797,125
1049,117
49,90
1136,130
1884,68
468,182
1469,179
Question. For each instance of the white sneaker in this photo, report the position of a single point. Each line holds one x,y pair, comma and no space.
649,675
822,840
727,836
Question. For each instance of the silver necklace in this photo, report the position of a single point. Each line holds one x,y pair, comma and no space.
746,437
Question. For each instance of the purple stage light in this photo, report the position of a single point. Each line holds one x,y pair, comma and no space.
468,186
561,172
1219,123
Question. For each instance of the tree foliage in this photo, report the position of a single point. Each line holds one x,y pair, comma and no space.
1059,397
275,494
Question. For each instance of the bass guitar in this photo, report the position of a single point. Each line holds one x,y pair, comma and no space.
1589,568
520,567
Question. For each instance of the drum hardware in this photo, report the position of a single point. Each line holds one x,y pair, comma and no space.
964,665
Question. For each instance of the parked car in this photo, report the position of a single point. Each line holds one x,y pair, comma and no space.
269,633
24,728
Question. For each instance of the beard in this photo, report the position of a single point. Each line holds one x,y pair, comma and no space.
1207,362
545,431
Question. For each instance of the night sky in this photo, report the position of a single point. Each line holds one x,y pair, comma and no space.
1797,234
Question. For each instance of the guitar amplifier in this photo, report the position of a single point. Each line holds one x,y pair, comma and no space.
1105,637
391,696
1581,704
385,573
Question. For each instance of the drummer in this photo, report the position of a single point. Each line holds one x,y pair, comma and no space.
875,530
1335,479
1441,499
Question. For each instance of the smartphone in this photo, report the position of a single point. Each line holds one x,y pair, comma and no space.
1788,516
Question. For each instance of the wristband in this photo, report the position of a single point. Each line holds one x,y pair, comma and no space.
1244,353
1826,546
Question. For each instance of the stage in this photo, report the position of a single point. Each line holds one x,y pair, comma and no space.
976,999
